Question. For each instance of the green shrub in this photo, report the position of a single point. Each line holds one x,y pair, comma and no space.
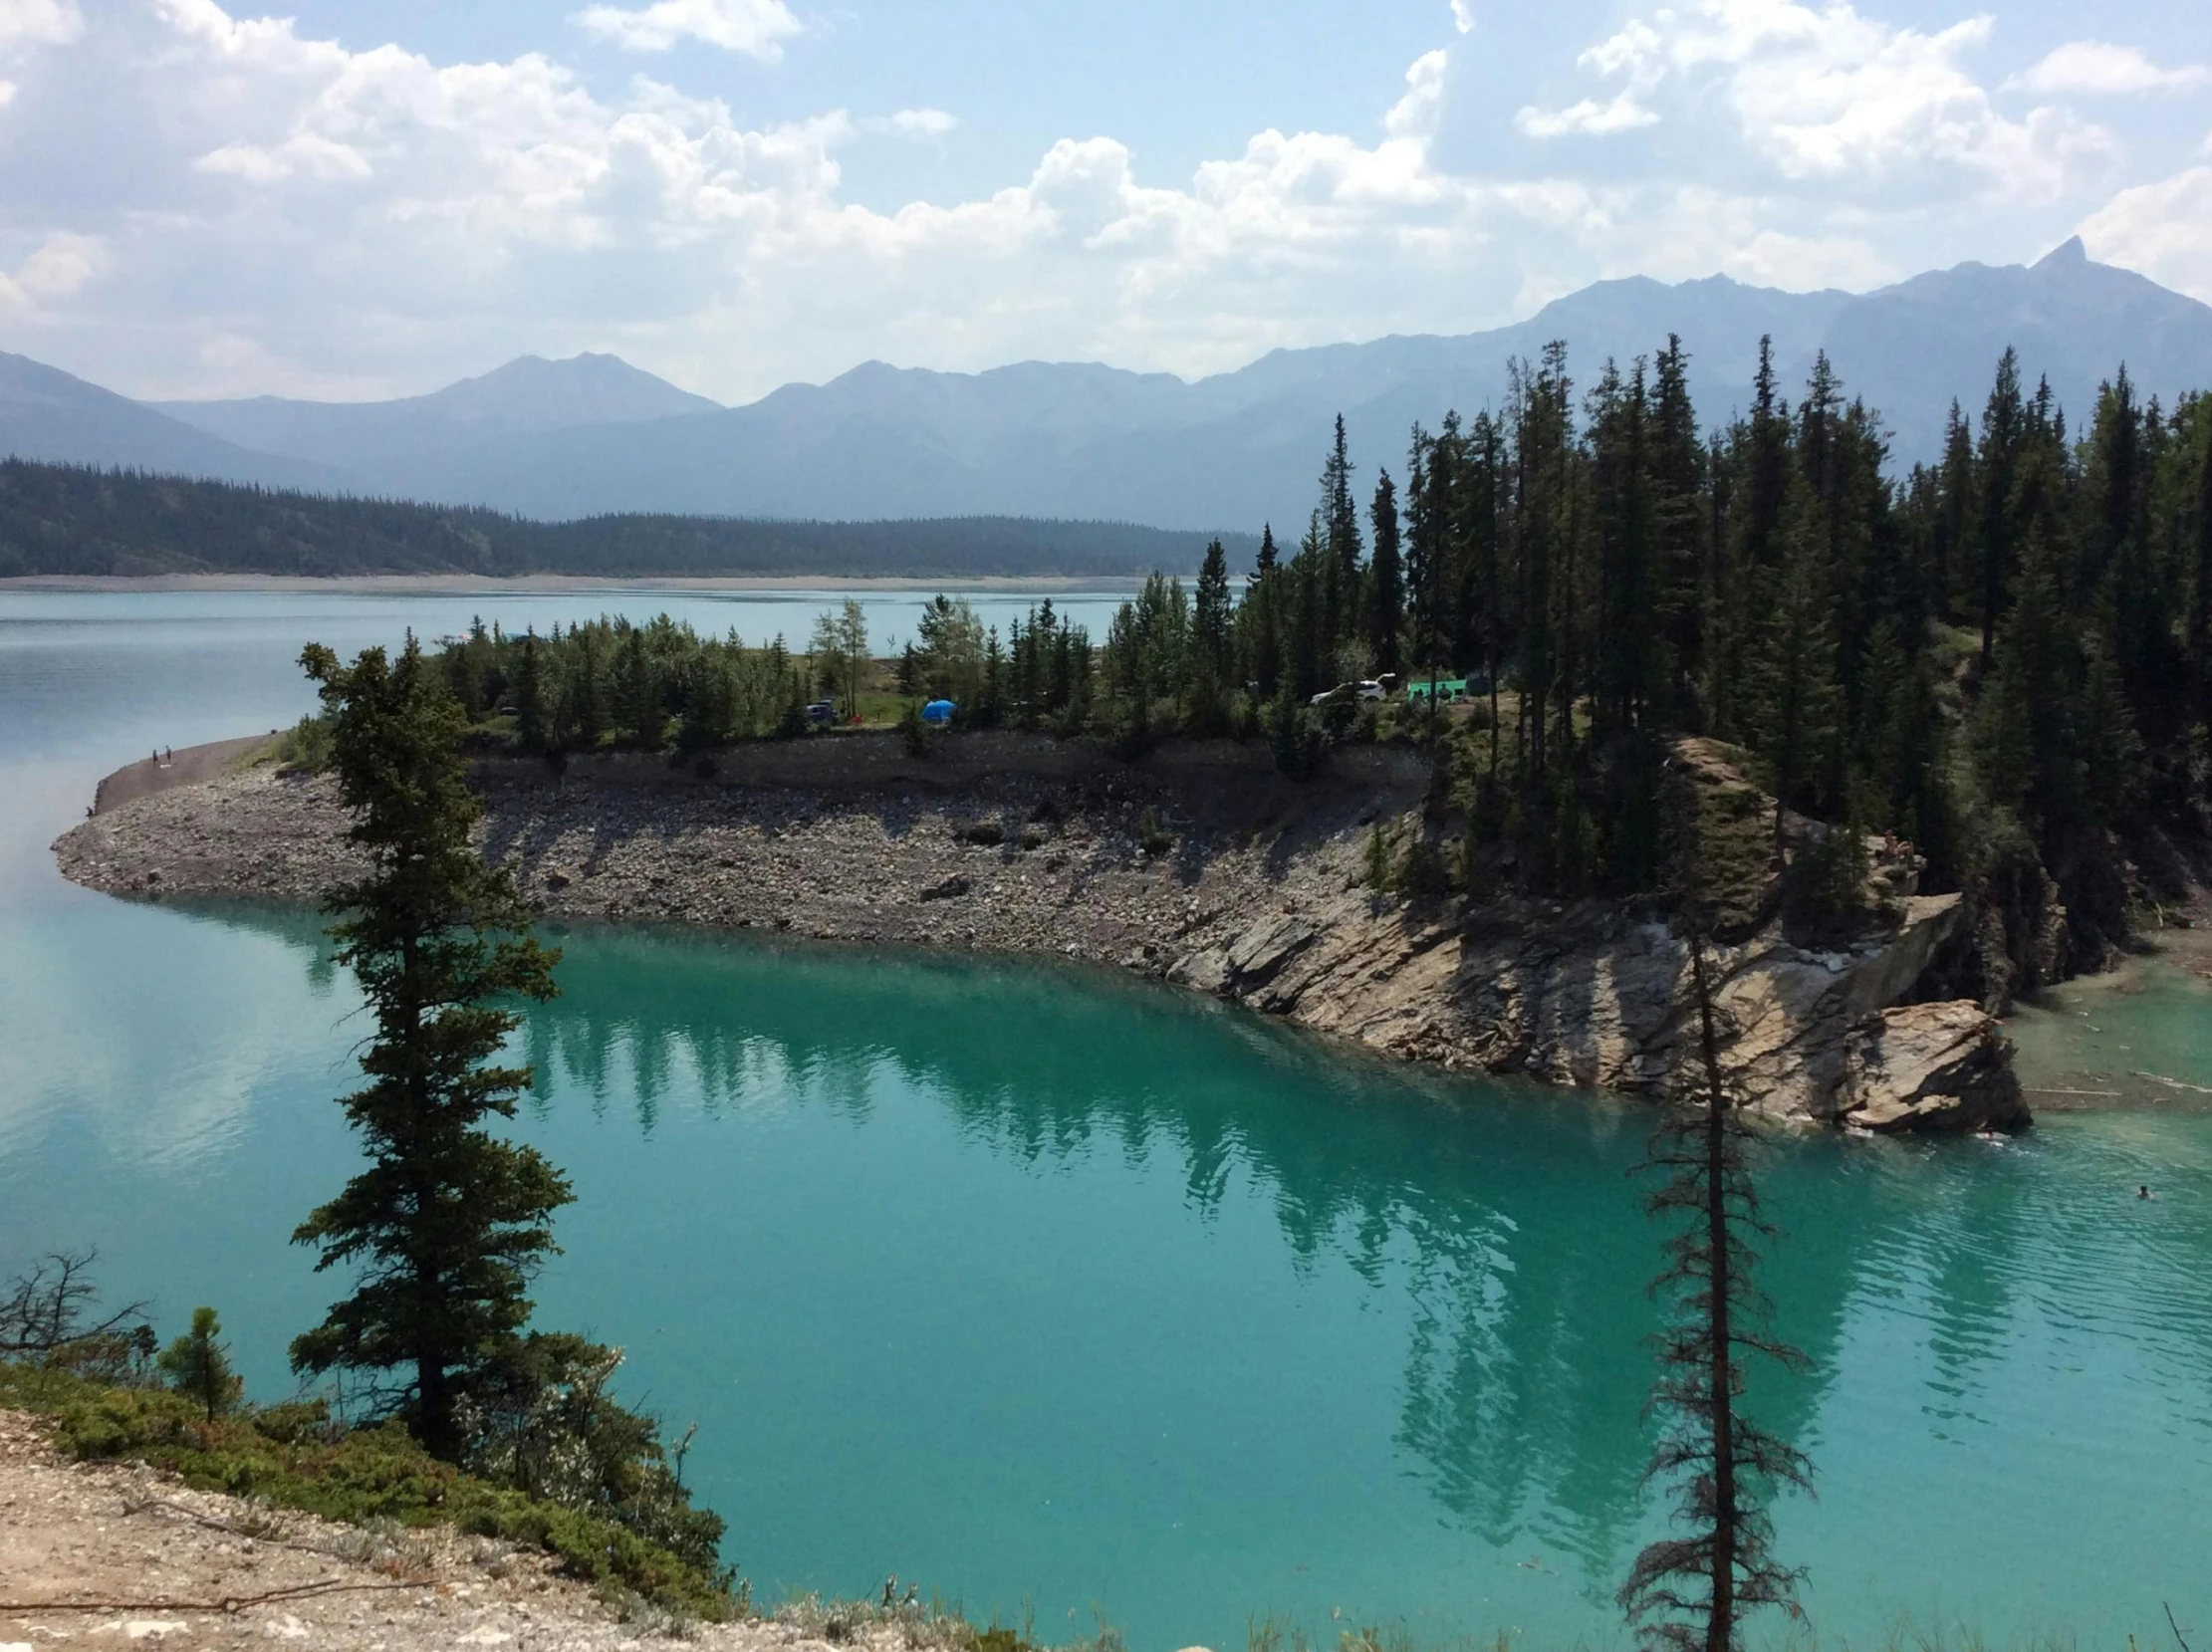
291,1456
305,748
912,731
1376,872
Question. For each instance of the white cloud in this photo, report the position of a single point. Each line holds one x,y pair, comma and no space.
2096,68
1413,116
57,269
755,27
1463,16
1803,264
265,211
1588,119
1635,55
2162,229
915,122
39,22
1829,93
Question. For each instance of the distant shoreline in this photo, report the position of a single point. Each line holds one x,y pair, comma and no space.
457,584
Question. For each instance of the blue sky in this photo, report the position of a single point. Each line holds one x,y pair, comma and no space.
376,197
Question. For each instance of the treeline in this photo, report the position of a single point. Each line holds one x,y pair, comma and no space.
76,520
614,684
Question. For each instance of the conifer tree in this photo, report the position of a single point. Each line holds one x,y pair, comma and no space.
445,1227
2200,596
1678,530
1952,507
643,721
532,724
1212,609
1689,1592
1338,583
1795,712
1427,571
2004,430
1212,615
1385,580
583,691
197,1365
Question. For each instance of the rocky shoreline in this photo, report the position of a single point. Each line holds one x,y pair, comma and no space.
1197,865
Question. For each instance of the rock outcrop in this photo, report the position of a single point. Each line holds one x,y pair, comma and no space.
1010,845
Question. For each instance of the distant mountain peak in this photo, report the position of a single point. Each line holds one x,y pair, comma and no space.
2067,252
636,393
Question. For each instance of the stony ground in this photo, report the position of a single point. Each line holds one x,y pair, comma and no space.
1018,865
110,1556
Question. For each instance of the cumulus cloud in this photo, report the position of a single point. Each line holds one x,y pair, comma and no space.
57,269
1827,94
277,212
757,28
2163,229
2095,68
1413,116
1803,264
1463,16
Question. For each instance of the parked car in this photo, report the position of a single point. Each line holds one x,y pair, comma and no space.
822,711
1368,689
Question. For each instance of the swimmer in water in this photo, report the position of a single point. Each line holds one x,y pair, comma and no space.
2142,1192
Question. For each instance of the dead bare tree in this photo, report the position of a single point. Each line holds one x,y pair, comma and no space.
1690,1591
51,1313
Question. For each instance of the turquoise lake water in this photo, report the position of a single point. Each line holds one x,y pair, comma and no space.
1065,1295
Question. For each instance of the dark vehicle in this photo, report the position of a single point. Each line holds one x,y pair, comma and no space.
822,711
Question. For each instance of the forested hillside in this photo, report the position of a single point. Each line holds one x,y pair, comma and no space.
2003,657
76,520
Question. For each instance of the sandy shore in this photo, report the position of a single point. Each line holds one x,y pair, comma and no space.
461,584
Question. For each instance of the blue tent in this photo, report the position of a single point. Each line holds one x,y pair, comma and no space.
937,711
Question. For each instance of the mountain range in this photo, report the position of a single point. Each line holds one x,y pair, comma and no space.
592,435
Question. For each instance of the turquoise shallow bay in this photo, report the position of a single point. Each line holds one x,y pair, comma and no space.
1057,1292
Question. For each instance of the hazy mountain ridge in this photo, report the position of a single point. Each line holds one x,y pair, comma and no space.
383,443
594,435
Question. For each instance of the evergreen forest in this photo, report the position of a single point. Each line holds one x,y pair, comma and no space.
2003,660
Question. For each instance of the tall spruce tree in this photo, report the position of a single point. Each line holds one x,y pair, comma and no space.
1385,579
533,720
446,1224
643,720
1338,584
1995,530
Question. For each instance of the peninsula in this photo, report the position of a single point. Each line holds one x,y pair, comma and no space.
1198,863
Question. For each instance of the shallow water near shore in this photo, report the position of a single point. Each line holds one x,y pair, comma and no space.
1062,1294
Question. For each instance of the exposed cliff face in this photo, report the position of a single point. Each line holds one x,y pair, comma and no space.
1008,843
1589,994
